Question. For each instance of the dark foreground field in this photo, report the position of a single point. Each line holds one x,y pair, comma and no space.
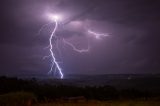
51,92
106,103
28,99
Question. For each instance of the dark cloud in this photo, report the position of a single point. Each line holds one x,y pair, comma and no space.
131,47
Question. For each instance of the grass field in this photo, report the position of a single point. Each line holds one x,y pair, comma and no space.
107,103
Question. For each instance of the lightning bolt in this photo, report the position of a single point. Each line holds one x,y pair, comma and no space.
54,61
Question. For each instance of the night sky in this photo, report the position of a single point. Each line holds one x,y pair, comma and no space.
132,45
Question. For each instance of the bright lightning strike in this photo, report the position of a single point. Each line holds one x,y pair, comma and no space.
55,18
54,63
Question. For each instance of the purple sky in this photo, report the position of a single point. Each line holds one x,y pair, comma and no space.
133,44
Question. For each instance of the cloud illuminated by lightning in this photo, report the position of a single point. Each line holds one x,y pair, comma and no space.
97,35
